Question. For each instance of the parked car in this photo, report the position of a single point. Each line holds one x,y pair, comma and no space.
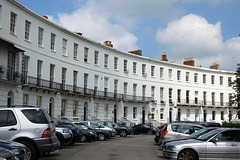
101,133
191,136
64,135
93,124
205,124
87,135
221,143
75,130
123,131
31,126
20,151
141,128
176,130
5,154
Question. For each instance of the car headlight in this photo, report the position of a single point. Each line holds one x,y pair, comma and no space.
65,131
171,148
114,130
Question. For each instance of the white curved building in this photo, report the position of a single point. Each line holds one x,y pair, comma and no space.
72,76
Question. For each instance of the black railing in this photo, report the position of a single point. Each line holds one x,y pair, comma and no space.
204,103
59,87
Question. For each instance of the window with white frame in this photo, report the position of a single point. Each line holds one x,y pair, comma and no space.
85,54
64,72
179,95
229,81
39,71
161,113
125,85
105,85
213,98
153,93
64,47
106,60
195,77
25,99
187,76
96,110
170,95
144,70
188,113
116,63
40,36
39,101
153,71
134,91
75,51
75,106
196,114
187,96
134,67
204,78
125,65
13,19
143,91
63,107
161,72
212,79
221,99
222,115
96,83
196,97
213,115
27,30
85,80
204,98
53,37
161,95
221,80
52,68
115,86
170,74
96,53
134,112
75,75
178,75
106,111
125,112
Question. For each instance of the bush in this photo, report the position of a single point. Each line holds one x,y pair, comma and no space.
230,125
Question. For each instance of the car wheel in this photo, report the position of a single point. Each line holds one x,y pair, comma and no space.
32,148
123,133
101,137
69,143
187,154
60,140
149,132
83,138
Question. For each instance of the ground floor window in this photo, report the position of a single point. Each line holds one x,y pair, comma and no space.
96,110
161,113
125,112
213,115
63,107
134,112
222,115
106,111
25,99
75,105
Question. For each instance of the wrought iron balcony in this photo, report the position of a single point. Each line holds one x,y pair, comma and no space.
195,103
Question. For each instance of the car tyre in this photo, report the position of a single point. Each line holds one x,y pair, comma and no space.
123,133
69,143
83,138
187,154
32,148
101,137
149,132
60,140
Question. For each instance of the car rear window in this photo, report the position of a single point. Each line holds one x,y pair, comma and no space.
35,116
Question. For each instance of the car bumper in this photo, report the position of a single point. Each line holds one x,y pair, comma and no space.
47,144
172,155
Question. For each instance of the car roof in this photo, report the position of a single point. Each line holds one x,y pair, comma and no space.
189,124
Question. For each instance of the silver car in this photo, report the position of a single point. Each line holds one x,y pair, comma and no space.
221,143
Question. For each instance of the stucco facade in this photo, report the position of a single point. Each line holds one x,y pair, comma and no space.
78,78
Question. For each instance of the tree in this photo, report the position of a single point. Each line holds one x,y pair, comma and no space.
236,86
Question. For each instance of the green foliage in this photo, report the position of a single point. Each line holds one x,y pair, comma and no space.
230,125
236,86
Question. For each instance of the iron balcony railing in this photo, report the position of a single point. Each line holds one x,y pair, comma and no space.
191,102
59,87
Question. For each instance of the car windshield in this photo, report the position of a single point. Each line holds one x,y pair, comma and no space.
83,126
208,135
146,126
198,133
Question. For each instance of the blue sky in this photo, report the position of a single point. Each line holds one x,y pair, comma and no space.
207,30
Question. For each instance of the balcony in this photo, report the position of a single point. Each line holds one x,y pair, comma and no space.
50,86
10,76
201,103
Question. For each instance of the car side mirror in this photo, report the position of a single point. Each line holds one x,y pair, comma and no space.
215,140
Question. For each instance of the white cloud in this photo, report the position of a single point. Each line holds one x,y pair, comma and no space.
193,36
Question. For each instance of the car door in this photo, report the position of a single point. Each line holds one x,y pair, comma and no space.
225,146
9,125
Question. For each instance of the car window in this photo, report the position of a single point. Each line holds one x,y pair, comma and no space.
196,128
7,118
94,125
185,129
175,128
35,116
227,136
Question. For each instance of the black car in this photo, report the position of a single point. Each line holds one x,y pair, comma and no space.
18,150
141,128
101,133
87,135
123,131
75,130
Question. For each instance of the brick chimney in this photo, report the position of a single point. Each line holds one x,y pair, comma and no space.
215,65
137,52
189,61
108,43
164,56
